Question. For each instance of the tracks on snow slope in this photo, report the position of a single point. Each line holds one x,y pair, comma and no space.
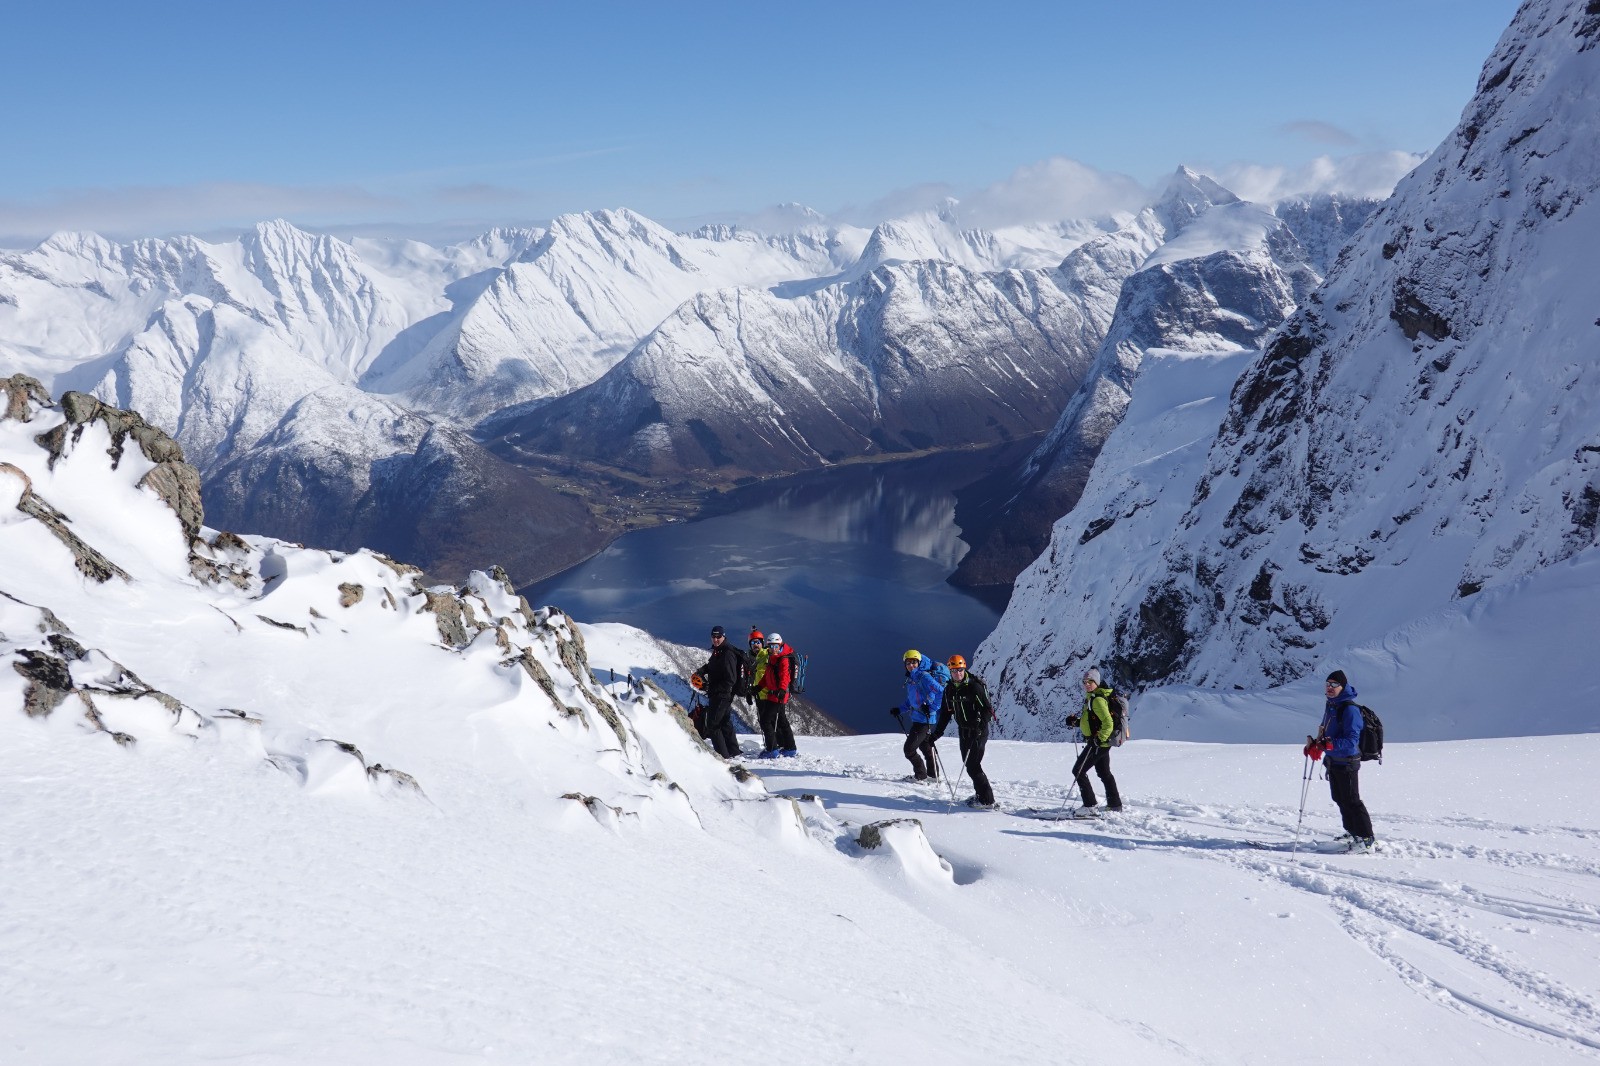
1435,904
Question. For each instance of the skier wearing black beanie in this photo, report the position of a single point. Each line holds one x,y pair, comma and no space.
1341,730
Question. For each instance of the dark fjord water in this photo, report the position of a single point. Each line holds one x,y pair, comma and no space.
849,564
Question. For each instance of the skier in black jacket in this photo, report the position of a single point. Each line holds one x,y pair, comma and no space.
966,699
724,676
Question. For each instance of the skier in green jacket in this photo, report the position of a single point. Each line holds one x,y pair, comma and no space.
1097,725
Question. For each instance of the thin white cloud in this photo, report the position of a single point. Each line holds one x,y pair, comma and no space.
1370,174
1320,132
146,210
1052,190
898,203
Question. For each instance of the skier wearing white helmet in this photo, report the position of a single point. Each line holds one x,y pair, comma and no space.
772,698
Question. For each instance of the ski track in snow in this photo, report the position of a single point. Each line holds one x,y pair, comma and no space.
1422,926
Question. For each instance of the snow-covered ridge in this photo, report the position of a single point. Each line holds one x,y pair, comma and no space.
1416,447
124,619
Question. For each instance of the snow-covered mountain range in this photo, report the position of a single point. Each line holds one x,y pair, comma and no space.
1415,449
912,354
341,392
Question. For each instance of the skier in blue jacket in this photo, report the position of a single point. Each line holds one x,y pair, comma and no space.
1340,734
924,693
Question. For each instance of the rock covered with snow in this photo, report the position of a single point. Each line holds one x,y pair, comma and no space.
1420,433
344,671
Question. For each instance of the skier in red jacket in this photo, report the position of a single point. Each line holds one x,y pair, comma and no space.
772,697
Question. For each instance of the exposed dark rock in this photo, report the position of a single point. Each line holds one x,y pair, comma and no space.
446,608
20,390
178,485
1159,641
871,836
1416,318
350,594
88,561
49,682
377,771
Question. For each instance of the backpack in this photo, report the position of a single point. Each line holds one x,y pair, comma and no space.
797,669
940,672
1117,703
1371,742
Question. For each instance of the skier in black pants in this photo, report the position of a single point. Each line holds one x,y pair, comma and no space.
1097,725
966,699
723,674
1341,733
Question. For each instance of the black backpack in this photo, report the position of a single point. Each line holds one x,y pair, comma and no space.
1371,742
1117,703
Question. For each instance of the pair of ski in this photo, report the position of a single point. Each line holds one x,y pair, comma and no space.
1312,847
1057,814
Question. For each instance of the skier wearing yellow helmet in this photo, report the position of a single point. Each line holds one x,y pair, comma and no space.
925,681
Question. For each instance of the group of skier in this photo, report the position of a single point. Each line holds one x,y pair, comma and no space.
764,675
937,694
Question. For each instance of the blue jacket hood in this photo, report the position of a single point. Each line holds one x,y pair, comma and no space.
923,694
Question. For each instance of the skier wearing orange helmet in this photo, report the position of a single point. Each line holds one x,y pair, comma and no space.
966,700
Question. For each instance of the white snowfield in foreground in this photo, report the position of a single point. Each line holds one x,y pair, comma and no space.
165,906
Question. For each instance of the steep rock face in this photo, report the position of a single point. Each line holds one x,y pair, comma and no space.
1212,273
1421,430
911,356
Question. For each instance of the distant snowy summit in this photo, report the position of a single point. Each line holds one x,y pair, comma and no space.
1418,438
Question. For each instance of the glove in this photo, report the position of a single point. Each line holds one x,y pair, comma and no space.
925,708
1314,749
1072,719
936,737
895,711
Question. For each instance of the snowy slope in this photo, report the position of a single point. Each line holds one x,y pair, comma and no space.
912,356
573,305
283,805
1416,450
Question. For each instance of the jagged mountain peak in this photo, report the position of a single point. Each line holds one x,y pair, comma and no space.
1417,440
1187,195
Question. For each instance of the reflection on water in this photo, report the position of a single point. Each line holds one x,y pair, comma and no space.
849,564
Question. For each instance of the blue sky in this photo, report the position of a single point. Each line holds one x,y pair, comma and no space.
167,117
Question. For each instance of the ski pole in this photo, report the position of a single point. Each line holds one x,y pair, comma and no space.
1068,797
938,762
1305,790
